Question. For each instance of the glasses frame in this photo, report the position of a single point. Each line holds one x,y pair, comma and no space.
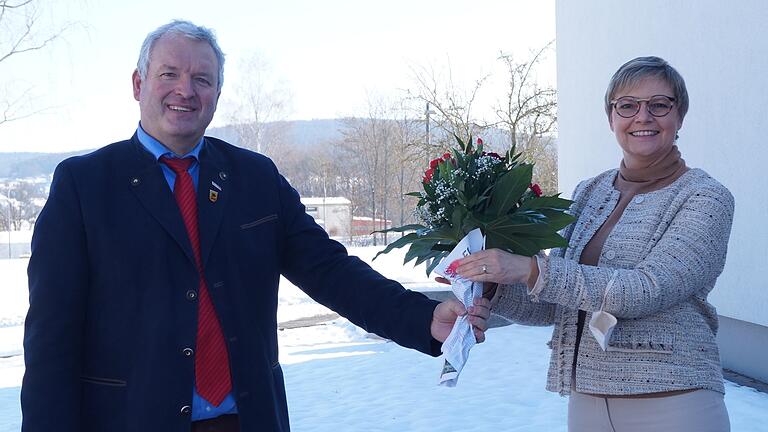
640,103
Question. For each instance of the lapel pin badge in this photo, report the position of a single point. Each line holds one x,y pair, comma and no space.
213,183
213,195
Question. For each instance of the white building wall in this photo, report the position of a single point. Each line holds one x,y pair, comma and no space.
334,212
721,49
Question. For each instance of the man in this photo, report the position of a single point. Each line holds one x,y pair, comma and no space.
155,266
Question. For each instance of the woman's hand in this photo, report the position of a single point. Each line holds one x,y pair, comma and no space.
496,265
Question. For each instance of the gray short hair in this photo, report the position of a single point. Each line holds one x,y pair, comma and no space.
637,69
184,28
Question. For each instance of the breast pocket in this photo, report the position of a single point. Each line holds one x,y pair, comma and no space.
642,341
257,222
256,241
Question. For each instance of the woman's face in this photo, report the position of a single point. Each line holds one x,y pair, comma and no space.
644,137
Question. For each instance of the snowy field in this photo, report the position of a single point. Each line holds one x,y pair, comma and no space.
339,378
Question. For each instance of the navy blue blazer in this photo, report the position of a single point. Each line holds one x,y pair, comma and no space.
113,304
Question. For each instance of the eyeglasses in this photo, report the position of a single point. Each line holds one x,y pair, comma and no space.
657,106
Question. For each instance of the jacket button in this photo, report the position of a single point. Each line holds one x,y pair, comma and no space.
191,295
187,352
639,199
185,410
610,254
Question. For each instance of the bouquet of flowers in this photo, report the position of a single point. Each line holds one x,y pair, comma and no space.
468,188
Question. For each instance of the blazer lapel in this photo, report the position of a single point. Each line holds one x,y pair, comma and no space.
587,227
213,193
151,189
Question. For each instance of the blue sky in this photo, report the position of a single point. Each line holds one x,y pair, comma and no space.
332,55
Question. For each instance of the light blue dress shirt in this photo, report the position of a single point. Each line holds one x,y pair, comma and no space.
201,408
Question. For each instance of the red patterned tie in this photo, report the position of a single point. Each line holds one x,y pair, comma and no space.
211,361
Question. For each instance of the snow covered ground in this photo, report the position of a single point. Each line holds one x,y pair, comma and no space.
339,378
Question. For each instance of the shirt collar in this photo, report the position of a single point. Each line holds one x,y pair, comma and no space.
158,149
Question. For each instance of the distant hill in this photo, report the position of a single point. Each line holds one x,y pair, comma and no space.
27,164
300,132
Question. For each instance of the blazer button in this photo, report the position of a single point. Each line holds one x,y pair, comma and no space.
187,352
185,410
610,254
191,295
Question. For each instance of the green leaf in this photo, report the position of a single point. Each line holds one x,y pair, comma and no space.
444,247
457,220
470,143
552,202
512,242
523,235
554,219
462,198
509,188
477,222
419,248
551,241
444,233
435,261
431,255
557,219
402,241
461,143
529,229
411,227
526,216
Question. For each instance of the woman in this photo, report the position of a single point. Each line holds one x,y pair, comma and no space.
634,337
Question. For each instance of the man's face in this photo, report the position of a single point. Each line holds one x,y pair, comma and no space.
178,97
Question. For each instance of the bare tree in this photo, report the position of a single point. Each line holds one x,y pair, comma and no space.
21,32
262,102
453,106
20,204
382,160
407,154
315,171
528,113
8,210
365,140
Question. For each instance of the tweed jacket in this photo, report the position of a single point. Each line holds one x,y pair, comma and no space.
655,271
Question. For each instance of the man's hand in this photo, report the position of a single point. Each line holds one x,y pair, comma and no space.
446,313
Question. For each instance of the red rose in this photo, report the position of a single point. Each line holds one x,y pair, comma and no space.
447,156
434,162
428,175
536,189
479,141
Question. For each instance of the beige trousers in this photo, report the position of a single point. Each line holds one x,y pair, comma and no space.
697,411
